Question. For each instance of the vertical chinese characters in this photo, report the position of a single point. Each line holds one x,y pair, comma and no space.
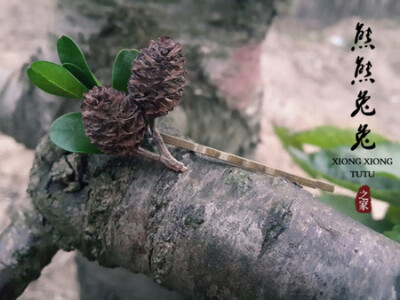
363,74
360,34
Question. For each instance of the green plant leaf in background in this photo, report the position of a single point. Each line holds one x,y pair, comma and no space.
385,185
346,206
122,69
393,214
67,133
55,80
69,53
394,234
325,137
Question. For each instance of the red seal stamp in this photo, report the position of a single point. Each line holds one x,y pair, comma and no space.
363,200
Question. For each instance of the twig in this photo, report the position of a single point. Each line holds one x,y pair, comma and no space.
164,156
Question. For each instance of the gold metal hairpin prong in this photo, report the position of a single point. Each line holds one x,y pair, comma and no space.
244,162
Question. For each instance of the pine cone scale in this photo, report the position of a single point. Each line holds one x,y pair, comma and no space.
157,78
113,123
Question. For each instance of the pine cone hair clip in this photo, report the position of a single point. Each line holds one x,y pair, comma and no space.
117,119
116,122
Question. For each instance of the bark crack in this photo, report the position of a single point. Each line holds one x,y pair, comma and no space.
274,227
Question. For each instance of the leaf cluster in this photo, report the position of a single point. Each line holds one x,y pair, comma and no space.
72,79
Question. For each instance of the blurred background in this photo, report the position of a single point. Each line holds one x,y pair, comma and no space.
252,65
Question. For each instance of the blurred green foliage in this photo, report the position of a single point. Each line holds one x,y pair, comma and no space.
334,161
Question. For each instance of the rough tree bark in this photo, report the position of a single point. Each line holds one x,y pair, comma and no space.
213,232
26,247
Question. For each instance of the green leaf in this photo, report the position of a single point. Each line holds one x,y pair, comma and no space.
80,75
286,137
385,185
393,214
325,137
346,206
55,80
394,234
67,133
69,53
122,69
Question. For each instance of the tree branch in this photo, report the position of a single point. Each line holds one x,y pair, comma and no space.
26,248
213,232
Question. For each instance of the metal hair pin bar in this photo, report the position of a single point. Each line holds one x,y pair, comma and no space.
244,163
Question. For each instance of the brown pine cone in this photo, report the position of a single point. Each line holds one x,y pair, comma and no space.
113,123
157,79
